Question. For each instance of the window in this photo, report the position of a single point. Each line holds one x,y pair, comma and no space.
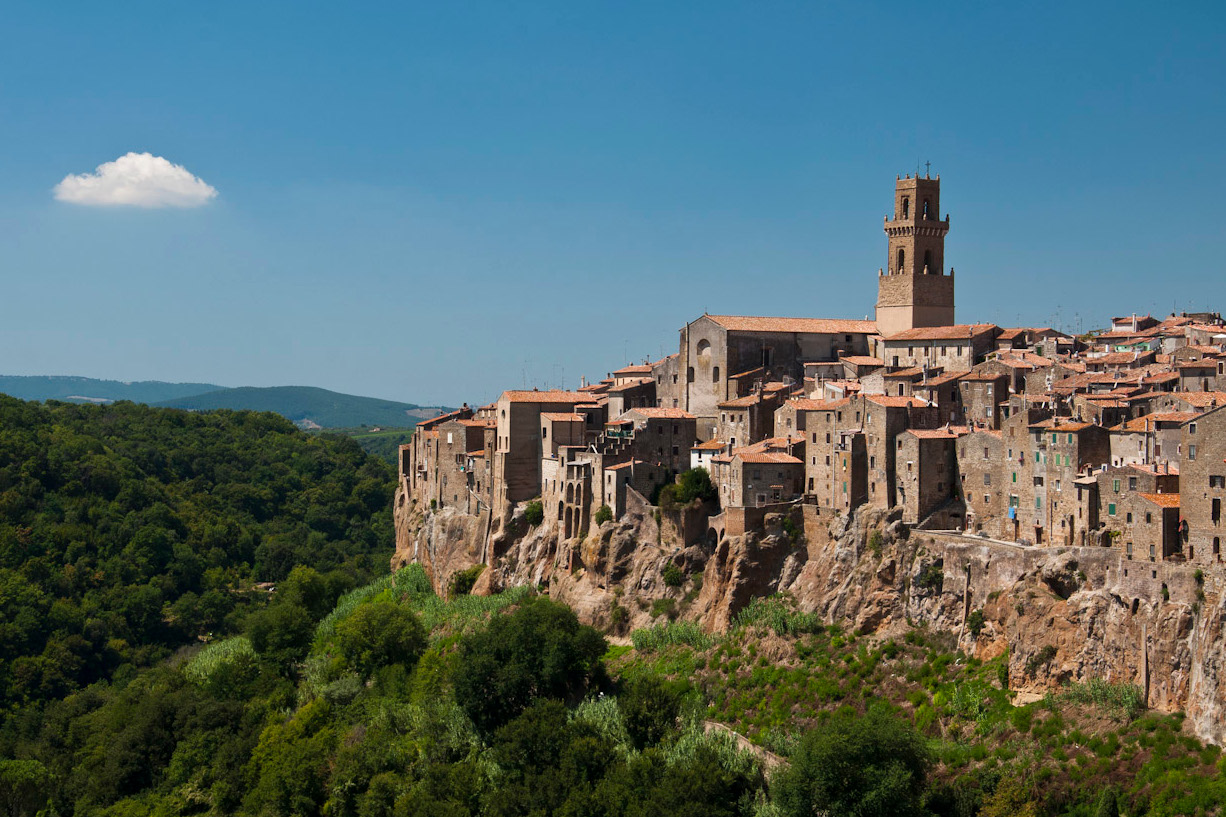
714,374
985,453
1149,518
1013,500
1070,438
1217,481
986,499
1191,428
1115,485
1036,456
872,462
1038,504
827,437
689,375
1191,452
1015,476
987,479
1215,510
1110,509
906,208
1132,483
1128,518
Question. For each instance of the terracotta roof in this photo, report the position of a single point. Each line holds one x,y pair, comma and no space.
634,368
486,422
475,454
662,412
942,379
709,445
442,418
1163,500
746,373
766,457
1167,469
1116,358
860,360
956,332
983,377
933,433
550,396
1204,363
560,417
807,404
894,401
1147,422
622,465
914,371
741,402
819,326
1201,399
629,385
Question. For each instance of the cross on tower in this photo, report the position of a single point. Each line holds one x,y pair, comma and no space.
927,167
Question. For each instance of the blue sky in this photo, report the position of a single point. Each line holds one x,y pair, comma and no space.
433,202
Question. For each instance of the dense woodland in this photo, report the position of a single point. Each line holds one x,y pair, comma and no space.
144,673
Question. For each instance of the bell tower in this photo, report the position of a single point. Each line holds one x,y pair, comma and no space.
913,289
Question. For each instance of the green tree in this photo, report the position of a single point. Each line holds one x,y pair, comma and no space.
649,710
875,764
380,633
540,650
534,513
281,633
24,787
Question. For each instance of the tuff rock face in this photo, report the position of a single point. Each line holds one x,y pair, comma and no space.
1061,613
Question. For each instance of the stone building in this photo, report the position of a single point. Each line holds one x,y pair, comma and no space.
1202,476
723,356
984,484
913,289
519,447
949,348
926,472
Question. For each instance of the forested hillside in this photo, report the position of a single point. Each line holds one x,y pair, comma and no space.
128,531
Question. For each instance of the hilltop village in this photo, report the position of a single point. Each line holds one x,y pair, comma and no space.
1112,439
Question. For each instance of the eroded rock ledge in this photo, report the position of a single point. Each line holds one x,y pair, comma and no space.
1061,613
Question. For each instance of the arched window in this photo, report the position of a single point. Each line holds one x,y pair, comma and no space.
906,207
689,375
927,260
925,209
714,374
902,255
704,348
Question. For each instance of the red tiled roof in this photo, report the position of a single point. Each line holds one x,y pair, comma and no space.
861,360
956,332
768,457
807,404
634,368
1147,422
894,401
629,385
1163,500
914,371
934,433
709,445
662,412
550,396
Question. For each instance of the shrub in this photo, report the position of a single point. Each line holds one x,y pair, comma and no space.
667,634
672,575
691,485
534,513
875,764
664,607
876,542
975,622
1040,659
649,710
540,650
603,514
378,634
462,581
932,576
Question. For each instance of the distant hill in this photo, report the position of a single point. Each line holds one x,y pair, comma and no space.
89,390
310,407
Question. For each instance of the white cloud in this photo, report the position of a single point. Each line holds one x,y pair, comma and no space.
136,180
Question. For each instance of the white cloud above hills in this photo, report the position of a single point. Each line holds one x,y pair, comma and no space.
136,180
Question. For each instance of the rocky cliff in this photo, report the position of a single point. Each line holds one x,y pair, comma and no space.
1060,613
